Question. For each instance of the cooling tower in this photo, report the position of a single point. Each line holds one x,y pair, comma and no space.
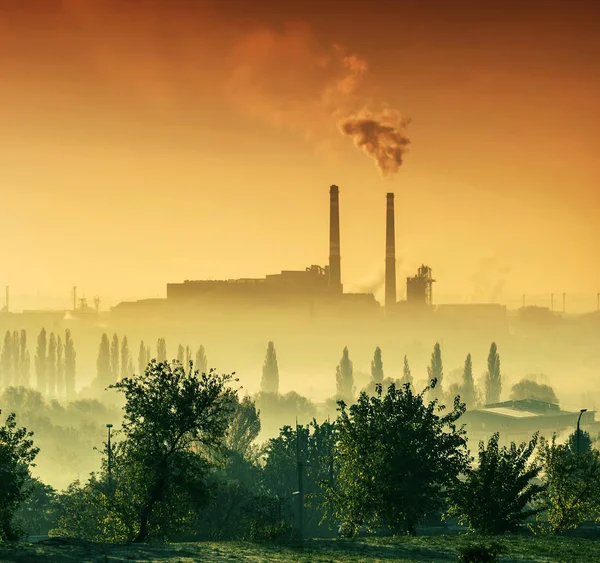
335,275
390,253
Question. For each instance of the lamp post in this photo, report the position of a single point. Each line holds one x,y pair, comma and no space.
109,426
578,431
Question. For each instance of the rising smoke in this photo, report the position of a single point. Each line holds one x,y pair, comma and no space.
381,136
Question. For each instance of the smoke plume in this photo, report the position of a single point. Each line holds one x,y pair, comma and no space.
381,136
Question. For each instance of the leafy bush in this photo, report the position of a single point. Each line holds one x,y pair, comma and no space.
477,552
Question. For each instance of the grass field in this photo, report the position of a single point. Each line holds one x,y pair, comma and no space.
378,550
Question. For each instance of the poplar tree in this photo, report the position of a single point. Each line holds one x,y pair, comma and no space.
201,362
406,374
6,360
161,350
270,372
70,365
188,356
468,383
25,359
493,382
125,359
51,365
377,366
103,362
60,367
40,362
344,376
435,370
180,354
16,358
142,359
114,358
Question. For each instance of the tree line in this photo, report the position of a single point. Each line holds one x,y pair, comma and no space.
54,361
185,465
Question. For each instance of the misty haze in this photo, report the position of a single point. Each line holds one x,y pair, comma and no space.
299,281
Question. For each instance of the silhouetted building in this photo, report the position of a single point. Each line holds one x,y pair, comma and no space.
419,287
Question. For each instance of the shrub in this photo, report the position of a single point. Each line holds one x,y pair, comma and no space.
477,552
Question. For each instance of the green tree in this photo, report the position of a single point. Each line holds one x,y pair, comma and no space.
395,459
585,441
17,453
103,362
70,365
40,362
244,428
406,375
468,383
435,370
114,358
143,360
572,494
169,415
497,496
60,367
493,381
125,358
51,365
201,362
529,389
344,377
377,366
161,350
6,361
270,372
25,359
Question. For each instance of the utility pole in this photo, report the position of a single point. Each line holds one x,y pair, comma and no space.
109,426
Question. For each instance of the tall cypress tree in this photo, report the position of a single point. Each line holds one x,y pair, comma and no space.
25,359
468,383
435,370
16,358
60,367
51,365
142,359
406,374
188,357
377,366
161,350
70,365
114,358
201,362
40,362
125,359
6,360
344,376
103,362
180,354
148,355
270,372
493,381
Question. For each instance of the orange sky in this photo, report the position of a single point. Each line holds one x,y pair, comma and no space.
152,141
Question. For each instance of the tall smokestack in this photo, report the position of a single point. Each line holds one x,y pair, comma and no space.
335,273
390,253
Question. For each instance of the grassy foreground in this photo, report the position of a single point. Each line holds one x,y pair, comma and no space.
377,550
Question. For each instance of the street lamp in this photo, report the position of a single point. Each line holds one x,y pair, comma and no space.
578,432
109,426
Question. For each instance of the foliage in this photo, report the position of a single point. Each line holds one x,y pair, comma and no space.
51,365
497,495
60,367
493,379
528,389
468,384
17,453
435,370
585,441
395,459
270,372
479,552
38,514
201,361
572,486
161,350
172,420
244,428
143,360
344,378
40,361
103,362
70,364
406,374
114,358
125,358
377,366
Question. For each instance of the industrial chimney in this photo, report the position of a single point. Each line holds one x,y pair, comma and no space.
390,253
335,274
